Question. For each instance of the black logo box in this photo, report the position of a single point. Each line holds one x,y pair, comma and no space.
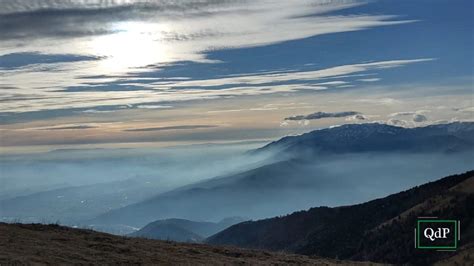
437,234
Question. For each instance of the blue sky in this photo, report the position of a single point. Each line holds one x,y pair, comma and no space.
115,72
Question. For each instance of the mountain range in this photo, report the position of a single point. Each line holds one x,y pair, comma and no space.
328,167
351,138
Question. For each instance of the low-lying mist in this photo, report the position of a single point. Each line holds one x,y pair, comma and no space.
133,187
70,184
287,186
174,166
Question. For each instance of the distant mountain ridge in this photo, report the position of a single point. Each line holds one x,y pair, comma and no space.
379,230
350,138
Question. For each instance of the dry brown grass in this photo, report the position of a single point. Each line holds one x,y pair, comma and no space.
52,244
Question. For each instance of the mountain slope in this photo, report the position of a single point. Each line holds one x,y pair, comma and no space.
182,230
351,138
309,179
380,230
38,244
455,202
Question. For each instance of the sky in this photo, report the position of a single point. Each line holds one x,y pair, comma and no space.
120,73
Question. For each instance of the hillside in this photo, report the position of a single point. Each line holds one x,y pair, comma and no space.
182,230
52,244
167,231
380,230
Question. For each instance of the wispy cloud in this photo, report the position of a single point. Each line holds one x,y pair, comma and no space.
369,79
301,76
18,60
129,34
199,62
469,109
72,127
94,111
357,117
321,115
113,45
180,90
416,116
183,127
153,106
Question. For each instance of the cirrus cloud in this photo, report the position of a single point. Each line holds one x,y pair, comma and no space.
181,127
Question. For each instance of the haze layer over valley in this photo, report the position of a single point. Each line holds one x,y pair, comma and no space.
129,188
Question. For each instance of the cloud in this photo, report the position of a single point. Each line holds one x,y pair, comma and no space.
184,127
284,124
335,82
469,109
357,117
398,122
94,111
153,106
133,34
303,122
64,127
69,127
266,108
401,114
18,60
416,116
67,19
180,90
321,115
369,80
299,76
225,111
106,87
419,118
379,101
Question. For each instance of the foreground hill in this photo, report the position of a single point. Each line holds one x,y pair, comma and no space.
380,230
52,244
329,167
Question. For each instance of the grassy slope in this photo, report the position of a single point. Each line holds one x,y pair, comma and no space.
52,244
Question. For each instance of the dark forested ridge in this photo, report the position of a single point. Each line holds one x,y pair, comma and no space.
380,230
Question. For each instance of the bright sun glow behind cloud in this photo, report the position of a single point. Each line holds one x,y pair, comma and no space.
134,44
